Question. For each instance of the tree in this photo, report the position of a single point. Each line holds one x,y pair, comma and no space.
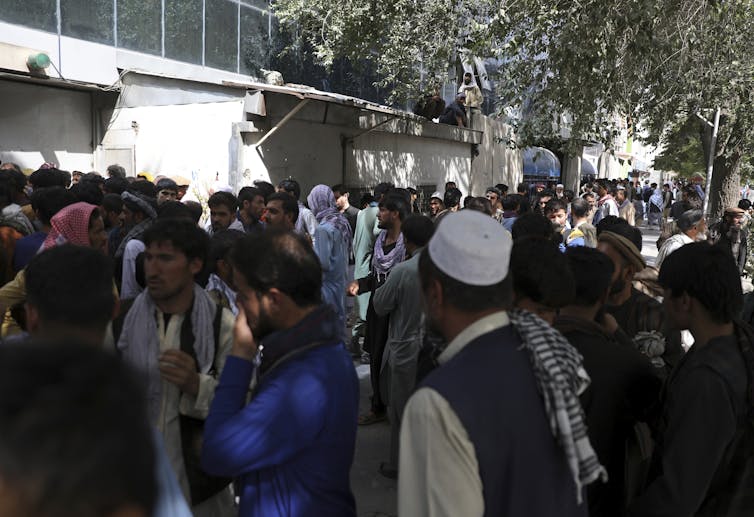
576,66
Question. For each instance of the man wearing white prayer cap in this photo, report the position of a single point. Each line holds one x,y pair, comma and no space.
477,437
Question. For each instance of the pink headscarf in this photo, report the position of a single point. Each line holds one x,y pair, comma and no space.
70,225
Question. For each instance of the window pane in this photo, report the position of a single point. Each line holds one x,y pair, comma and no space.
91,20
140,25
221,46
255,41
38,14
183,30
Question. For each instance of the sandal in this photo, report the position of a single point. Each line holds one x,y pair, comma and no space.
371,418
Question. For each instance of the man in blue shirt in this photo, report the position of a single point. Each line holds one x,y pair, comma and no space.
291,447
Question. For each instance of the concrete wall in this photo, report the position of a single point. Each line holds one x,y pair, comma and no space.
43,124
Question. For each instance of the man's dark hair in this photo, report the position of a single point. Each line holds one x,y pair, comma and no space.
532,224
167,184
75,435
248,194
174,210
522,188
88,192
292,187
615,224
708,274
116,185
17,178
381,189
289,204
494,190
580,207
143,187
49,201
112,203
418,229
365,199
116,171
592,272
283,260
480,204
266,187
92,177
569,195
396,203
183,234
340,189
511,202
465,297
503,188
452,197
555,204
47,178
225,199
196,210
744,204
72,286
6,191
220,245
540,272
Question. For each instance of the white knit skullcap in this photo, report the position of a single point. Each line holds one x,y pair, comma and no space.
471,247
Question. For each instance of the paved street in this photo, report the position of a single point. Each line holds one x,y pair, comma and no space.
376,496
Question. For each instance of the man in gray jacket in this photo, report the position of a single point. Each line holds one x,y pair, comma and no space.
400,297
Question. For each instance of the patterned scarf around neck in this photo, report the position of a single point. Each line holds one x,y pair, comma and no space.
561,378
382,263
140,346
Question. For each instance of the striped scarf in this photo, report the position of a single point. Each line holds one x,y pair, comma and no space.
561,378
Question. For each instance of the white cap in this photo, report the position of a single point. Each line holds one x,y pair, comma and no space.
438,195
471,247
559,185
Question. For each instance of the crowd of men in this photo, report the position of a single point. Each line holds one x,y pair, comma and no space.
527,358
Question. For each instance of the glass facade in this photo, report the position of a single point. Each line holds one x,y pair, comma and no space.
201,32
90,20
183,30
37,14
221,34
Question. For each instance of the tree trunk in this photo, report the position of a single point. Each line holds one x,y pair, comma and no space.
726,182
726,176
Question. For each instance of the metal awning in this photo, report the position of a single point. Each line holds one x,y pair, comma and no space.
542,162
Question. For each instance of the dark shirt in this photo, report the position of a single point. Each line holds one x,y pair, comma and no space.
451,113
350,214
643,313
623,388
703,462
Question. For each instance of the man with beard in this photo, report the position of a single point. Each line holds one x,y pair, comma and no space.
177,338
623,384
702,462
731,235
435,205
640,316
488,432
692,228
251,203
291,447
389,251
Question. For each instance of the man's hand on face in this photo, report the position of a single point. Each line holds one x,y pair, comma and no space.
179,368
244,344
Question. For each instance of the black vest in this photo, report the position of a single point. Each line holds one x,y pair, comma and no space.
491,387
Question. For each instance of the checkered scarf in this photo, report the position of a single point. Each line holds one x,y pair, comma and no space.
561,378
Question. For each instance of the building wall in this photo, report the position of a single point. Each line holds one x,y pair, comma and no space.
43,124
